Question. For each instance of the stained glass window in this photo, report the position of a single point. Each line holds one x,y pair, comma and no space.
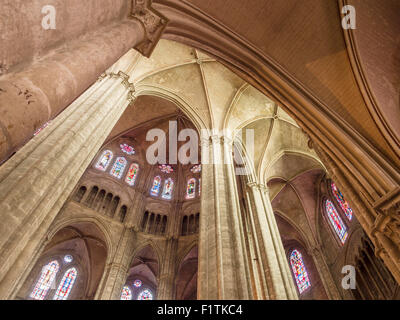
132,174
45,281
166,168
66,284
155,189
336,221
344,205
68,258
196,168
104,160
129,150
145,295
191,189
118,167
137,283
299,271
168,187
126,293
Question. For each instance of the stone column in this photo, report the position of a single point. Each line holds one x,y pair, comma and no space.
273,261
223,267
39,93
326,277
168,269
114,277
36,182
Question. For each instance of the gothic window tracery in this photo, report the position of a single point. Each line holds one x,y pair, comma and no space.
191,189
66,284
104,160
45,281
344,205
132,174
299,271
168,188
126,293
336,221
145,295
155,189
118,167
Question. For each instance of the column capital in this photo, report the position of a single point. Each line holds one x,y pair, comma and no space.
260,186
153,22
125,82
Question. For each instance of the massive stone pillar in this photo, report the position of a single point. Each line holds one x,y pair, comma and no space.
168,270
35,183
276,277
41,91
116,271
38,91
223,269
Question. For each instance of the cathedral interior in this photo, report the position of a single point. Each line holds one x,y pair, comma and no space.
295,194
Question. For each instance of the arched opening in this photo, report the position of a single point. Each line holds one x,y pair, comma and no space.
186,279
142,275
80,251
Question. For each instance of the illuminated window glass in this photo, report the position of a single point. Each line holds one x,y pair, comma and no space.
45,281
191,189
155,189
68,258
132,174
336,221
166,168
168,188
118,167
66,284
129,150
344,205
196,168
299,271
126,293
104,160
137,283
145,295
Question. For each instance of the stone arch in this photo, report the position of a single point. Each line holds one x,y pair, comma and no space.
86,243
144,266
186,273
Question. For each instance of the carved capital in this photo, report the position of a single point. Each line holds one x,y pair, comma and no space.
153,23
